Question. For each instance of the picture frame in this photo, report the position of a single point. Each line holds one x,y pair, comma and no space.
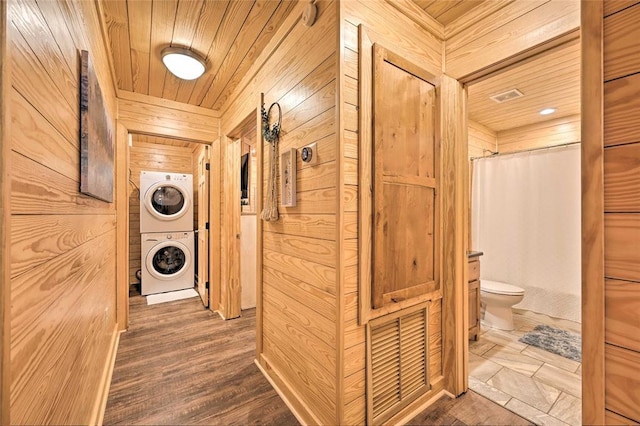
96,136
288,178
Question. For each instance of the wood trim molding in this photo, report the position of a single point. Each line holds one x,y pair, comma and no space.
230,291
122,224
100,405
454,210
298,408
340,218
5,216
214,226
259,234
365,183
593,315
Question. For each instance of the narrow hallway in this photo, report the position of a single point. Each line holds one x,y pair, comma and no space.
181,364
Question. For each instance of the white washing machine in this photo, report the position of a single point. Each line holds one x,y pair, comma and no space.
166,202
167,262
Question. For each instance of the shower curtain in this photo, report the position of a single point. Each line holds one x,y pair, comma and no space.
526,220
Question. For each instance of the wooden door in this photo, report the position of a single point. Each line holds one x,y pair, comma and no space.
404,181
230,288
202,182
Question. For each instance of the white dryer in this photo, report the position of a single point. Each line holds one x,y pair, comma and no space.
166,202
167,262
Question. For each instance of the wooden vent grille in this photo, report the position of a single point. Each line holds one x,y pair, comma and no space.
398,362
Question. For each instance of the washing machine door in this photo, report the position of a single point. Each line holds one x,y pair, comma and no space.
168,260
166,201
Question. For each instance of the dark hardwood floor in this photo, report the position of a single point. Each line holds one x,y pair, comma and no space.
181,364
468,409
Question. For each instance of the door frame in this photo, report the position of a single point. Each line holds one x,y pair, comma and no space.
230,290
490,71
203,157
124,127
233,296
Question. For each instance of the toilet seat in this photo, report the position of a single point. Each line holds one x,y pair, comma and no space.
497,287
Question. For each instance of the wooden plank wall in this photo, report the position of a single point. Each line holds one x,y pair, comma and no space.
482,140
550,133
622,208
63,286
151,157
5,220
154,116
297,314
386,25
495,31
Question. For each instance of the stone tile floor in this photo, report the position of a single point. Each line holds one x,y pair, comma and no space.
540,386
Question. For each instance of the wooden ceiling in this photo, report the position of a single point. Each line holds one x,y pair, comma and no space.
550,79
447,11
158,140
229,34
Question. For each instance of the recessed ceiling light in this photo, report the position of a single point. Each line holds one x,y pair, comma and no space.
183,63
547,111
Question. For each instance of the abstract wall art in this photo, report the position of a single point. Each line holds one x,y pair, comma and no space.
96,137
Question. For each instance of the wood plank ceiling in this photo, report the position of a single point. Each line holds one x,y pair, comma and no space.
228,34
159,140
447,11
550,79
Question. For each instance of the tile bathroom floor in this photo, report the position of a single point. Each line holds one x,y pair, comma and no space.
540,386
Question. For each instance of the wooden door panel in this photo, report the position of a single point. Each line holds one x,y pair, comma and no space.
407,238
404,117
404,182
203,219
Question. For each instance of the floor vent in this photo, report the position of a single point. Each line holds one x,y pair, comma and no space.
398,365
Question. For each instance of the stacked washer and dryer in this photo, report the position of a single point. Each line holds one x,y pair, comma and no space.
166,228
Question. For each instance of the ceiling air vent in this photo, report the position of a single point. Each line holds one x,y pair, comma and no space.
506,96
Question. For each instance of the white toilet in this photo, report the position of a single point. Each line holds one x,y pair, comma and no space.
497,298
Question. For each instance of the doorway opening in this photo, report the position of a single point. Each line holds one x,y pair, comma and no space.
161,257
239,215
515,152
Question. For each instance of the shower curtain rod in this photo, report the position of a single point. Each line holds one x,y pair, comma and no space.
497,153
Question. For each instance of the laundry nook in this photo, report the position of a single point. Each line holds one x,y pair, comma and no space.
323,212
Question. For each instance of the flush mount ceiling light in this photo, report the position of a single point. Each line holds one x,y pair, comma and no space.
183,63
547,111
